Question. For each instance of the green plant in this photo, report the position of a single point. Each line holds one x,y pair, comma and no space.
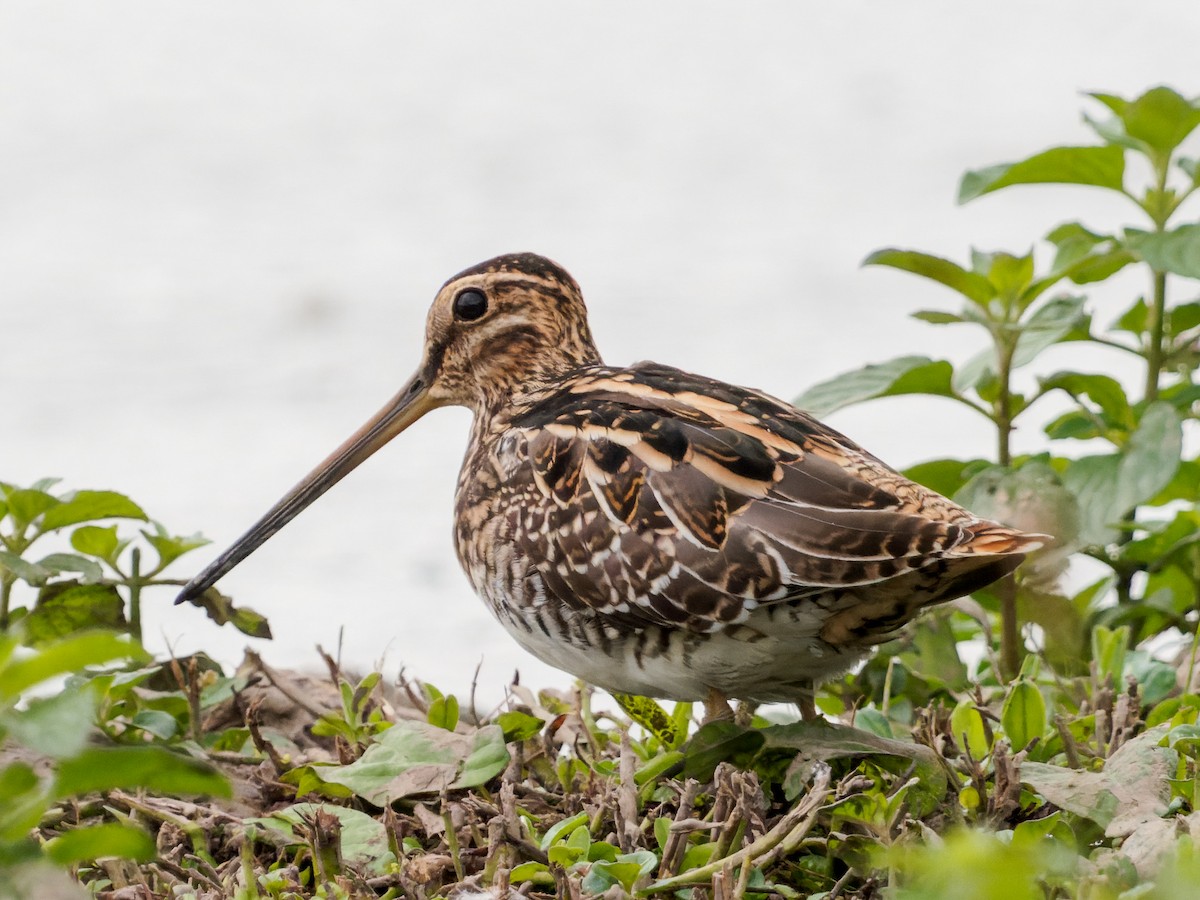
1132,507
100,583
56,729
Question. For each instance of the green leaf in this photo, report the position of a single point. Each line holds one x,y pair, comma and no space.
87,506
1109,486
625,870
519,726
1176,251
162,725
418,758
72,562
905,375
152,768
364,839
95,841
70,654
1050,323
971,285
24,801
1109,647
1152,455
66,607
820,742
1106,392
1023,715
1133,790
27,571
170,547
57,726
562,827
1098,166
531,871
718,742
97,540
937,317
966,726
647,713
1010,275
26,504
1160,118
443,712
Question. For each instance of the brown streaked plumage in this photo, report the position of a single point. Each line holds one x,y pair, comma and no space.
657,532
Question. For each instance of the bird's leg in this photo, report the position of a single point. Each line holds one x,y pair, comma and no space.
807,702
716,707
745,713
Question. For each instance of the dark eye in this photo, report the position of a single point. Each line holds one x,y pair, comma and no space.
470,305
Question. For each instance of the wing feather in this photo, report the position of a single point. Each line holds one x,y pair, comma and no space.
687,503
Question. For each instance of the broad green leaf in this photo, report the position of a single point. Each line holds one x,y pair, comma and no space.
443,713
27,571
96,540
1083,256
95,841
1099,166
162,725
1103,390
72,562
26,504
519,726
1010,275
905,375
126,768
971,285
1049,323
1176,251
70,654
966,725
537,872
819,742
1023,715
1109,647
624,871
647,713
25,801
718,742
66,607
1160,118
57,726
364,839
1183,317
1151,457
87,506
1133,789
171,546
1134,319
945,476
565,826
975,371
418,758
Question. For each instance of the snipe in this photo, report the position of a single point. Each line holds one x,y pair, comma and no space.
652,531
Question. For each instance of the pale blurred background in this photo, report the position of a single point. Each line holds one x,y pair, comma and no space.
221,226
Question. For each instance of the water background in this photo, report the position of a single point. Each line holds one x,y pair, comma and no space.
221,226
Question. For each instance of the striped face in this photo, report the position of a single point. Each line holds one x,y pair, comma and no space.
513,321
516,320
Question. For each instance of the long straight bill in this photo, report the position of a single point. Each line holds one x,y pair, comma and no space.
406,407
